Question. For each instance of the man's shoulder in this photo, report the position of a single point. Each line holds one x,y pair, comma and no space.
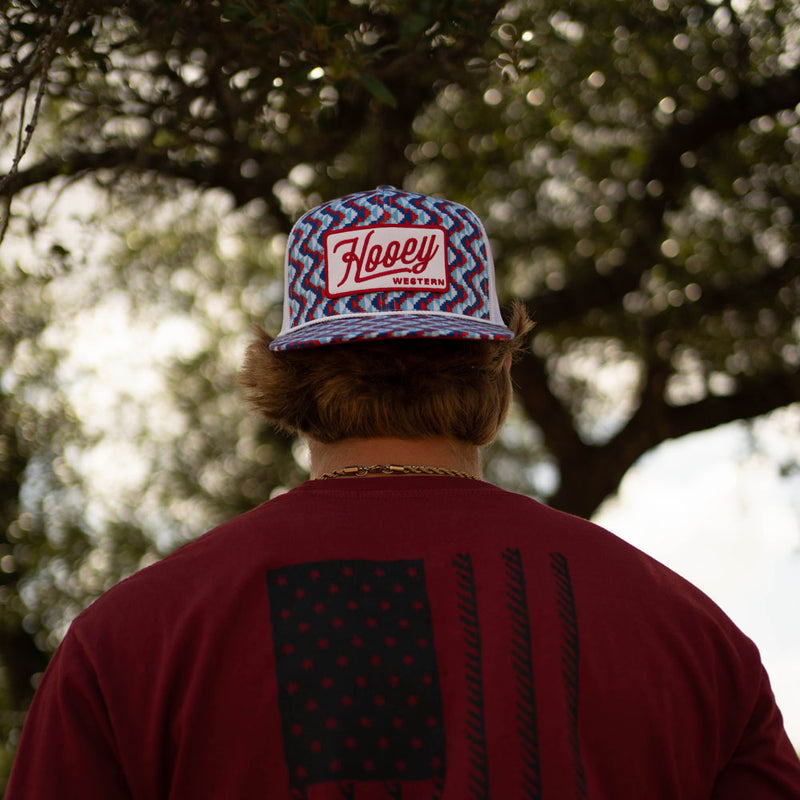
198,567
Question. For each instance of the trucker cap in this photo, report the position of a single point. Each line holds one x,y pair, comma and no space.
387,264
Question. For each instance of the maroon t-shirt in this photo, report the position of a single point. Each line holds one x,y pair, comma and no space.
405,637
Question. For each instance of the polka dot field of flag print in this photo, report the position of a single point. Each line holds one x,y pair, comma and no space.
356,670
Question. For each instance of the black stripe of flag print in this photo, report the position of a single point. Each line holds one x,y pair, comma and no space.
476,733
570,659
531,781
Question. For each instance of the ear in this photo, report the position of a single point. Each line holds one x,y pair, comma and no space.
508,363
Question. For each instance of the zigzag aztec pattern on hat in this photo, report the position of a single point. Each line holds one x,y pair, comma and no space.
307,292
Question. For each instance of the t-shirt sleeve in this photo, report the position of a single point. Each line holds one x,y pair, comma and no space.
764,764
67,749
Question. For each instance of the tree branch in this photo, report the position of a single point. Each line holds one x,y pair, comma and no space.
589,473
754,396
135,160
721,116
46,50
543,407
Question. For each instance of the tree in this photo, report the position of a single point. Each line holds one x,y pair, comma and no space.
636,165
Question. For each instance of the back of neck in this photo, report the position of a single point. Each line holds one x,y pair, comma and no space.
432,452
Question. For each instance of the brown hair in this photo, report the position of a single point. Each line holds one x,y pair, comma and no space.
404,388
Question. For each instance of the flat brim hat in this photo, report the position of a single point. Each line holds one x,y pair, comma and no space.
388,264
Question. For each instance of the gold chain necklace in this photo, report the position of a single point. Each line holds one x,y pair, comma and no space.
395,469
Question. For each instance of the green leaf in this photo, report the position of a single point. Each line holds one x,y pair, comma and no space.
236,12
300,11
378,89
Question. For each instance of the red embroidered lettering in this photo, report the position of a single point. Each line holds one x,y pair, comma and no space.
366,259
392,251
380,257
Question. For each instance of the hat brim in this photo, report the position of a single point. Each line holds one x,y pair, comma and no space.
365,327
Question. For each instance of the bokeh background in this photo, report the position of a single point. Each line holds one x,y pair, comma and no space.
635,164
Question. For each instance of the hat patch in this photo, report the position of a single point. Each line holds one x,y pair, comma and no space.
386,258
